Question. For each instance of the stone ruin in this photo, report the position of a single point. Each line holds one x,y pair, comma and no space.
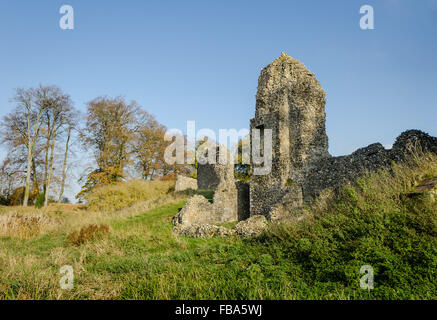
291,102
224,208
208,176
185,183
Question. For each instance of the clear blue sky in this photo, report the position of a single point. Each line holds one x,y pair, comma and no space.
200,60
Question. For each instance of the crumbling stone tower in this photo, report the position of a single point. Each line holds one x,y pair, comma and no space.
291,102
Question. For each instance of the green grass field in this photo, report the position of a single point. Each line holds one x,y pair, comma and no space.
370,223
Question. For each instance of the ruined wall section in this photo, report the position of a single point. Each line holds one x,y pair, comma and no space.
291,102
287,87
185,183
268,189
336,172
207,177
224,208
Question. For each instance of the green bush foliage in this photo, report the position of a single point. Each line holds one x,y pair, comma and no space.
373,223
39,202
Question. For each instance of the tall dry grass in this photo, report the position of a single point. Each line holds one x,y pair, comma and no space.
25,225
380,189
29,222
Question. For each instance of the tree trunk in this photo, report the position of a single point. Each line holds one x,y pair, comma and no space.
35,178
46,159
49,176
30,144
29,165
64,167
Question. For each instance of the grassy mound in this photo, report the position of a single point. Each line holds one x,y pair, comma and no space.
124,194
380,222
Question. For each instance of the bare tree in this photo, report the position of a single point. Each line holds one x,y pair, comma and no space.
27,109
42,112
64,165
58,110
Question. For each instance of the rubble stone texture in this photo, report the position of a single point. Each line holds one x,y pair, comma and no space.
207,177
251,227
335,172
185,183
224,208
290,102
208,173
197,210
203,231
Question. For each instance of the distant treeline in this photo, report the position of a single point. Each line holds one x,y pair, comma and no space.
44,131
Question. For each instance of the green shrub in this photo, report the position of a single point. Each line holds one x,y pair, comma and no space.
208,194
39,202
368,223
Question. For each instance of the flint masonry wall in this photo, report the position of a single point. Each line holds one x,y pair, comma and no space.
207,177
335,172
290,102
185,183
218,177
